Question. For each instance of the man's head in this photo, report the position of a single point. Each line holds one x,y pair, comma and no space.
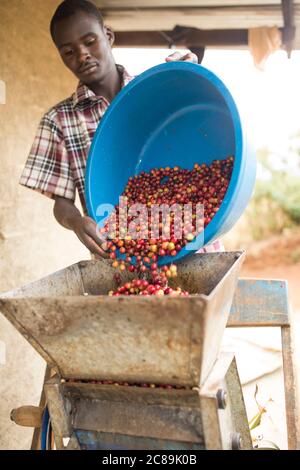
84,43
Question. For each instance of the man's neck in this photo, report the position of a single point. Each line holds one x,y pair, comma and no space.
109,87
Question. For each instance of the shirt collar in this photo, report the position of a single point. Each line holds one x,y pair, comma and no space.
83,92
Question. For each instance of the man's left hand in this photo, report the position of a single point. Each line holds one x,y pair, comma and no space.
189,57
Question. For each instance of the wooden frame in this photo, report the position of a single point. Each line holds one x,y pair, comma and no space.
262,303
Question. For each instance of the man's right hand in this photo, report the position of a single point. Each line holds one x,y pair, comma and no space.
67,215
86,230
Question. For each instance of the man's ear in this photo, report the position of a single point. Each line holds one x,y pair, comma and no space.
109,34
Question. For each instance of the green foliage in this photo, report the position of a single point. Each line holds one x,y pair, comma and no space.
275,204
259,443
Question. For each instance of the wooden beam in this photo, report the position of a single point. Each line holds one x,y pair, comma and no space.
36,438
190,37
149,19
260,302
180,3
289,29
296,44
30,416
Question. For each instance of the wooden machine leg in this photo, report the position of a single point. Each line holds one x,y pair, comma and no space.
35,444
289,388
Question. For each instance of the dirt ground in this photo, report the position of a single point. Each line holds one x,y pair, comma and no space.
277,258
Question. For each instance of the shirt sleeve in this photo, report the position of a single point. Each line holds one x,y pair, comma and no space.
212,248
47,169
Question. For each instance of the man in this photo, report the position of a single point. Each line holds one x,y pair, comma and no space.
57,160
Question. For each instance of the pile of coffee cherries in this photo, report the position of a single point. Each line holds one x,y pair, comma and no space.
171,187
158,287
204,184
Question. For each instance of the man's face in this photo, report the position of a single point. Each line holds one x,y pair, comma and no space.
85,47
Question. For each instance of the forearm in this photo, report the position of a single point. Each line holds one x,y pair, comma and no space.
66,213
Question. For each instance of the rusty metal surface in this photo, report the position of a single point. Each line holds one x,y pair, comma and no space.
221,424
66,281
155,413
237,406
146,339
199,274
93,440
155,421
133,394
119,417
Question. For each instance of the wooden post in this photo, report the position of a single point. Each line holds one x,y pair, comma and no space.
36,439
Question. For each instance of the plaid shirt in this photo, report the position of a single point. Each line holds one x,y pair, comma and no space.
57,159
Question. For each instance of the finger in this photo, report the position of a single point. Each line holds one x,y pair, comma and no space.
175,56
95,248
190,57
91,229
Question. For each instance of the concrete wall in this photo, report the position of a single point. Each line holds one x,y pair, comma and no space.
32,244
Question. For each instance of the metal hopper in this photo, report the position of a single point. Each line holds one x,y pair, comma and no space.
173,340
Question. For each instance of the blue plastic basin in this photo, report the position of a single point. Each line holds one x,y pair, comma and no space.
173,114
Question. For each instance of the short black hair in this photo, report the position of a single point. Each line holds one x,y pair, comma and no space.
69,7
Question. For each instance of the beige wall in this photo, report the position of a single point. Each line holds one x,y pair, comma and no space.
32,244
